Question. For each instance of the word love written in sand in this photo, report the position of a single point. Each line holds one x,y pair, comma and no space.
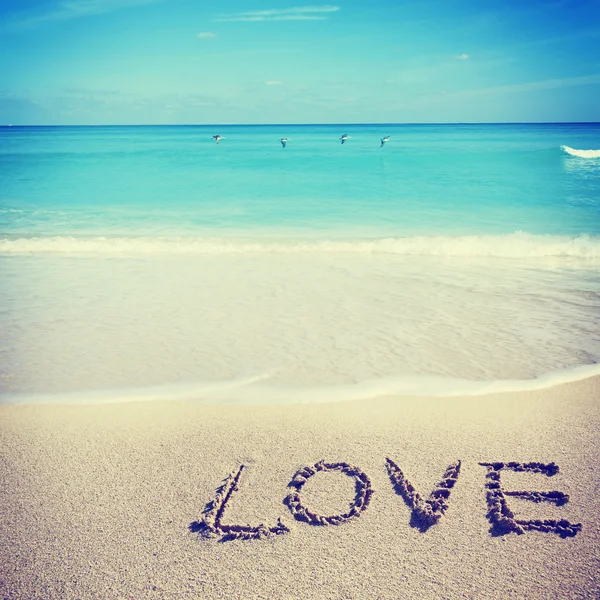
425,512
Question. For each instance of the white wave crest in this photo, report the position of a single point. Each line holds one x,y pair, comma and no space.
515,245
581,153
251,391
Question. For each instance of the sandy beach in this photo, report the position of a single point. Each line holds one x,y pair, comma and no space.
114,501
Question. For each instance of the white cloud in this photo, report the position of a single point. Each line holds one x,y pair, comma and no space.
277,18
272,82
298,13
298,9
463,56
206,35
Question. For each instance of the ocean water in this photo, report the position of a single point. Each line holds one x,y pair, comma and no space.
145,262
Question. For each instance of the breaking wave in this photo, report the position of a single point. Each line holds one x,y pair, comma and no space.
581,153
515,245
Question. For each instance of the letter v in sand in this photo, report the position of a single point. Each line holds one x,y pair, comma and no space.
211,525
425,513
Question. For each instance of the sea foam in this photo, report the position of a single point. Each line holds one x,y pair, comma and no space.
515,245
250,390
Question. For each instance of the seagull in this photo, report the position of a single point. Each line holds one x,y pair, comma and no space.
344,138
284,141
217,138
384,140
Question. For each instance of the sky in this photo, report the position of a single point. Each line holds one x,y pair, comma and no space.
97,62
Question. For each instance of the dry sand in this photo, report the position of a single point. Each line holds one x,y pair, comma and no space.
102,502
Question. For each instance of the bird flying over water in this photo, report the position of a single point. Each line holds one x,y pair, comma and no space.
344,138
217,138
384,140
284,141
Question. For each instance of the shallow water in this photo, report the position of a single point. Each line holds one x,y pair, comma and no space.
134,257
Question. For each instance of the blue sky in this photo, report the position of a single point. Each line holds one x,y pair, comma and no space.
277,61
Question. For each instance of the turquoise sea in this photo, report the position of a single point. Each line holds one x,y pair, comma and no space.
149,261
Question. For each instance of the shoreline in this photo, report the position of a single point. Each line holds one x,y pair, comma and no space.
250,390
104,501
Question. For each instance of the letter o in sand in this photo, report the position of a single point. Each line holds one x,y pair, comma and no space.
361,500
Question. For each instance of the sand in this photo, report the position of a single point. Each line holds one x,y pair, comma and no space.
102,502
